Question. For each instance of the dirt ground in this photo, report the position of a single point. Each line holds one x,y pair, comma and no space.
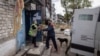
61,50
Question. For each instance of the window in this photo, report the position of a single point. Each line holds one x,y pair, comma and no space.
85,17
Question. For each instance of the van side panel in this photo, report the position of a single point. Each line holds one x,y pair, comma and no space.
97,39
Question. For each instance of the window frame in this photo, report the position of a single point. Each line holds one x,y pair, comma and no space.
86,17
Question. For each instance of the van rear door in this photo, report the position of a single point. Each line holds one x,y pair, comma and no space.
84,27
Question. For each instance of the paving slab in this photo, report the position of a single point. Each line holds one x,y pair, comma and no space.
36,51
47,52
23,51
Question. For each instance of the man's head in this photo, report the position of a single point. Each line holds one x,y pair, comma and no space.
48,21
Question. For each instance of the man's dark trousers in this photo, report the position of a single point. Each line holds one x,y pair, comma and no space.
53,40
34,40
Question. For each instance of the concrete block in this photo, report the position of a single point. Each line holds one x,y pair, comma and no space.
3,36
1,39
20,53
23,51
10,26
47,52
9,46
36,51
0,27
8,29
6,34
6,7
2,31
0,34
0,19
4,27
9,16
0,23
1,2
3,15
8,21
3,22
11,30
2,9
11,9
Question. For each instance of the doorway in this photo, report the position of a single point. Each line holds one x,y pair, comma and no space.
30,16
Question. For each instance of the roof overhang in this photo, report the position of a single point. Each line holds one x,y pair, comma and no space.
34,1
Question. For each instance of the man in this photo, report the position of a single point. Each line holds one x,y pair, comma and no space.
33,32
50,34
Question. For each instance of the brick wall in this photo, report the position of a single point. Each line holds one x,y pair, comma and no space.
6,21
7,41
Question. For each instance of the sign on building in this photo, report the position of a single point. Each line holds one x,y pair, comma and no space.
36,15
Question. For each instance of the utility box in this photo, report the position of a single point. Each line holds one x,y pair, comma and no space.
86,32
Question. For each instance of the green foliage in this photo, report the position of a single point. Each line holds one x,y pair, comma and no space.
67,16
74,4
77,4
64,3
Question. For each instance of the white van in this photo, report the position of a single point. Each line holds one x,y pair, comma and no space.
86,32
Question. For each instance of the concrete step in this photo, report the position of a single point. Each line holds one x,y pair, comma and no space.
36,51
23,51
47,52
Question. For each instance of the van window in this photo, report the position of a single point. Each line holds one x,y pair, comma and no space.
85,17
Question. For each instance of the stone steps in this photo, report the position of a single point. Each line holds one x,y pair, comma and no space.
22,52
36,51
31,51
47,52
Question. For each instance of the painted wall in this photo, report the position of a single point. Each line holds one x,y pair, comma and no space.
21,33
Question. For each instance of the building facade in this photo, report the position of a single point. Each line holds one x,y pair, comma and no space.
46,9
44,6
7,7
54,17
